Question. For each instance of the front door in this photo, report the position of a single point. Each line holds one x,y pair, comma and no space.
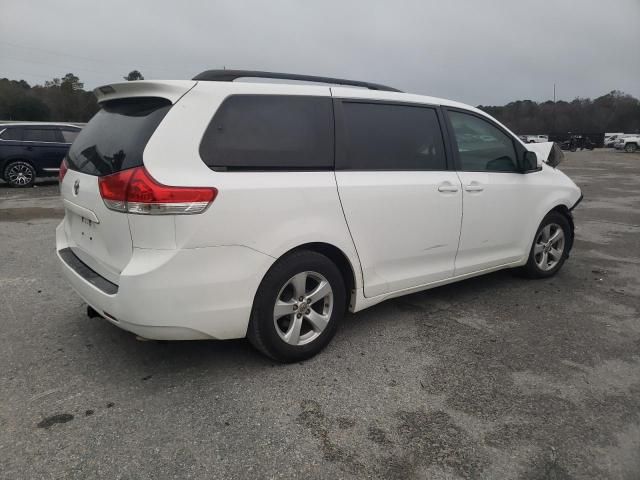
496,195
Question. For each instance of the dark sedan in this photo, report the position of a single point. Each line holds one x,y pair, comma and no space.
30,150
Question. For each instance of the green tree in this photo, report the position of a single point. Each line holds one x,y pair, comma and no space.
133,75
71,83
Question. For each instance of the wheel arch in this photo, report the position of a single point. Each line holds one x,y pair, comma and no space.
339,258
564,211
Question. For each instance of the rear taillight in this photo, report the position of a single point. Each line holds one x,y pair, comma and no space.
63,170
135,191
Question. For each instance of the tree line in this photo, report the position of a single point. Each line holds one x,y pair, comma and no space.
57,100
65,100
613,112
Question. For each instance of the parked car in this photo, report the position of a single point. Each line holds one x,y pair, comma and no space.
628,143
30,150
536,138
611,138
214,209
609,142
577,142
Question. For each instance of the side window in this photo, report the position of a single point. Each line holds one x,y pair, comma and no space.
69,135
391,137
40,135
481,146
12,134
270,132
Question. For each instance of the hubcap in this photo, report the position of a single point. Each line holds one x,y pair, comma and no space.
549,247
303,308
19,174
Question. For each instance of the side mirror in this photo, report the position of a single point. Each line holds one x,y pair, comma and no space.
556,155
530,162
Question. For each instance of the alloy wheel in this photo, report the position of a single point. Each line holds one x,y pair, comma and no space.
303,308
19,174
549,247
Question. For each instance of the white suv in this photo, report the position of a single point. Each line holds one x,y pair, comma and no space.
214,209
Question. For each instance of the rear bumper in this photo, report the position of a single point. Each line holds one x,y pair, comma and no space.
190,294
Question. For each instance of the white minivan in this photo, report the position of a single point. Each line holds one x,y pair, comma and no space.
218,209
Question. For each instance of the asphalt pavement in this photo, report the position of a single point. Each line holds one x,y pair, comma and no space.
495,377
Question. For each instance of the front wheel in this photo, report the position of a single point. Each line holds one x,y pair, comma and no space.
298,307
550,247
20,174
630,147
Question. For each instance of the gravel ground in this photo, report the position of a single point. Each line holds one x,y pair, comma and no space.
494,377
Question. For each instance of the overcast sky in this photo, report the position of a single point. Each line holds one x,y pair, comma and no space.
479,52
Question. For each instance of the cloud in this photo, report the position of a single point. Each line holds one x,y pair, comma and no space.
488,52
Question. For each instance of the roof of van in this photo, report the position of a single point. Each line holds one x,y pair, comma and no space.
173,90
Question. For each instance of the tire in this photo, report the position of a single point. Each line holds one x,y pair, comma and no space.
20,174
630,147
542,263
275,334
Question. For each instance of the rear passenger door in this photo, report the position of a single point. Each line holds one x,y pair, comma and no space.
402,203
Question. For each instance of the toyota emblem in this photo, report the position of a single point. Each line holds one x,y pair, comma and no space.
76,187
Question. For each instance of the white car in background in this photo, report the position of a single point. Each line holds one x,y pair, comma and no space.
628,143
217,209
536,138
611,138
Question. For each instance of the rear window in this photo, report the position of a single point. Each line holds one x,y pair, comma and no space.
270,132
116,136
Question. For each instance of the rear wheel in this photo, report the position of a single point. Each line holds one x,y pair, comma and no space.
630,147
550,247
298,307
20,174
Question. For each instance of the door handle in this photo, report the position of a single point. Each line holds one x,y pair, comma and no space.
30,148
474,187
447,187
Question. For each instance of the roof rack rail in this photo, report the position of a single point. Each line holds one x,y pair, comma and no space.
231,75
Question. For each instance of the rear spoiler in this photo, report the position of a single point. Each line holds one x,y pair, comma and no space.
548,152
172,90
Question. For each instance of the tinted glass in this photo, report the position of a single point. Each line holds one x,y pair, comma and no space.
392,137
481,146
115,137
270,132
12,134
70,135
40,135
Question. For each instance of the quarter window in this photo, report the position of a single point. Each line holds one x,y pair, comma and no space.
481,146
270,132
40,135
69,135
391,137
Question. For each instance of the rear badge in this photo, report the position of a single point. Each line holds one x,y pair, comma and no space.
76,187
